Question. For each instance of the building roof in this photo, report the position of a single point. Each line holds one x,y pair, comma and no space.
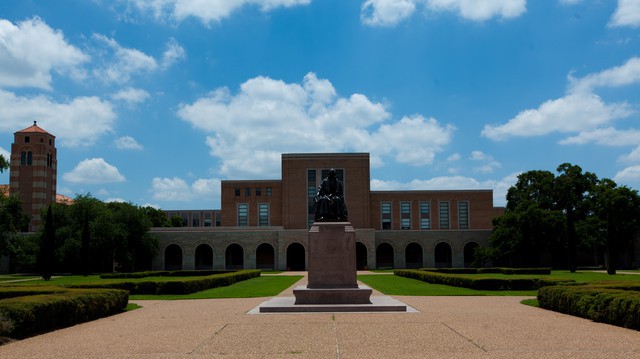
35,129
60,198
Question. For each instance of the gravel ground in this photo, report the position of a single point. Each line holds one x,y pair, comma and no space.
443,327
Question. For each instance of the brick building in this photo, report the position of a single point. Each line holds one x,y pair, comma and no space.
264,223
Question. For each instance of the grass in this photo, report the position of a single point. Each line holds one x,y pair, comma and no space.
17,277
395,285
267,286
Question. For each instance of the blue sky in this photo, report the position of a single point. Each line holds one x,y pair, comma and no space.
155,102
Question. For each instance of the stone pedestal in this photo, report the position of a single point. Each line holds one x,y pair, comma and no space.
332,267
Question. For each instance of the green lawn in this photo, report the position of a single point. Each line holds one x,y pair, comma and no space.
395,285
267,286
17,277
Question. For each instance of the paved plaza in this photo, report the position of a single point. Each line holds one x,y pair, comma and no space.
440,327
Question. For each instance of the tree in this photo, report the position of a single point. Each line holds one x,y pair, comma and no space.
18,247
618,211
4,164
571,190
85,251
47,247
156,217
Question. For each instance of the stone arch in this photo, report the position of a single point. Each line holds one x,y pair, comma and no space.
384,256
173,257
413,255
204,257
361,256
296,257
470,254
443,255
234,256
265,257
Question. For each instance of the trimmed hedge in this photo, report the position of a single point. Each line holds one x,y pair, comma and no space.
479,283
616,303
31,311
536,271
185,286
179,273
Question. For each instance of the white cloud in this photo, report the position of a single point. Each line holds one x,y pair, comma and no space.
127,143
131,95
386,12
4,153
627,14
79,122
173,53
629,175
391,12
488,164
177,189
207,11
93,171
116,200
250,130
608,136
633,156
570,2
572,113
480,10
454,157
125,63
499,187
30,50
624,75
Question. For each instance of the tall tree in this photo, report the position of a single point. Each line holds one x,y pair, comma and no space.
47,247
572,188
85,251
13,220
4,164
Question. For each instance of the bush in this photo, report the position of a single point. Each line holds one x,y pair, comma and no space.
186,286
478,283
613,303
535,271
180,273
45,309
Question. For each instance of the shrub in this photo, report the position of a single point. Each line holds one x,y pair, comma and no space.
185,286
478,283
180,273
617,303
535,271
37,312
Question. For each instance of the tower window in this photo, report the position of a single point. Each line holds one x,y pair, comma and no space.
27,139
29,158
23,158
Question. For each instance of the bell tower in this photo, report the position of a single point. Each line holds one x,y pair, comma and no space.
33,171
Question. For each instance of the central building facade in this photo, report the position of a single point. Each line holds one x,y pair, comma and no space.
264,223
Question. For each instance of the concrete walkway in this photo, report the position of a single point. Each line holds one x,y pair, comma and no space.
443,327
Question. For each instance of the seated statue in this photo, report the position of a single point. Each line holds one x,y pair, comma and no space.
329,201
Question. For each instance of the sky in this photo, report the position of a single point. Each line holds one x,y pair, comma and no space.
155,102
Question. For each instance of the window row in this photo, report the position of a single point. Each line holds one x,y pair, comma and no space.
26,159
248,191
424,211
243,214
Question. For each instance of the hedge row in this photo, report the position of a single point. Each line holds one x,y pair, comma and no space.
613,303
536,271
186,286
178,273
479,283
49,308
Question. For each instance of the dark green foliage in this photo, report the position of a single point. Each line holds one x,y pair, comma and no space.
47,247
489,270
478,282
616,303
4,164
36,310
85,250
179,273
184,286
12,221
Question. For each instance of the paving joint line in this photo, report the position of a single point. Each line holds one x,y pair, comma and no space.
468,339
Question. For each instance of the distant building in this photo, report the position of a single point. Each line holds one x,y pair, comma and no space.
264,223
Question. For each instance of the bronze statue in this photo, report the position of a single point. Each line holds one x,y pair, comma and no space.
329,201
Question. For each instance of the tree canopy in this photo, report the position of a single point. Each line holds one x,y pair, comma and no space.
4,164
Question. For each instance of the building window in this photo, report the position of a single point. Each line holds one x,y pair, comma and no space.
247,192
258,191
405,215
268,191
385,215
185,219
263,214
463,215
425,215
243,214
195,221
444,215
29,158
237,192
27,139
311,195
207,219
23,158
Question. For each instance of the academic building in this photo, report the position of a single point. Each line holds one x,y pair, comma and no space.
264,223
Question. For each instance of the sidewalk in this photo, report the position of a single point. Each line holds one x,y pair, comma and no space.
443,327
